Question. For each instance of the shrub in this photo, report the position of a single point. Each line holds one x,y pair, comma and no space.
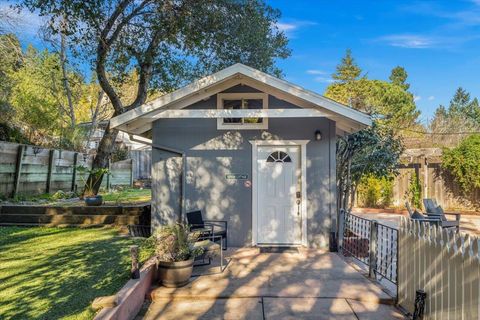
463,162
176,243
414,192
375,192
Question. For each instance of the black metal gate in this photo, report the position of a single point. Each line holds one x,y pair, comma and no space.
371,243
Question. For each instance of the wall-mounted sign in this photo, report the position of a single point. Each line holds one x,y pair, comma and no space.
237,176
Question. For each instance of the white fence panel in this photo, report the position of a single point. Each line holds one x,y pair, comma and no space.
445,264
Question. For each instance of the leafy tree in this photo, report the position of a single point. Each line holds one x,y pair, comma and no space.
11,57
393,104
462,115
39,104
463,162
166,42
373,151
399,76
347,70
35,107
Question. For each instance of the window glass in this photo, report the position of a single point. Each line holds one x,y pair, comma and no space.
253,104
231,105
279,156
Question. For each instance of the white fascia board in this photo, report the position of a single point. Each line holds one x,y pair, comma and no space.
169,98
236,71
307,95
239,113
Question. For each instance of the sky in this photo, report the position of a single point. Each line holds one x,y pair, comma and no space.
437,42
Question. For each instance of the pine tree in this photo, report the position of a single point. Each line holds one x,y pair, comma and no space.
348,70
460,101
399,76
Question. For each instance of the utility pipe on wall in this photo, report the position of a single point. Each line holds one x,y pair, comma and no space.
149,142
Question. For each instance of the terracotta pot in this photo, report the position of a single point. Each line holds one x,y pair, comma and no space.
94,201
174,274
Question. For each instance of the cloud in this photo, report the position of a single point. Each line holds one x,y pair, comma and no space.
417,98
292,27
317,72
286,26
411,41
323,79
431,98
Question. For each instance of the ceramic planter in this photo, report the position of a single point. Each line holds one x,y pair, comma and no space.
94,201
174,274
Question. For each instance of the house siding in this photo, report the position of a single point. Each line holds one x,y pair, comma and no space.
212,154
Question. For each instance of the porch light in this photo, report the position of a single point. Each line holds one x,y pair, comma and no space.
318,135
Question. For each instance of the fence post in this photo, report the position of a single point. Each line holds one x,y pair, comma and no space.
51,158
108,174
74,173
341,229
131,172
372,261
18,169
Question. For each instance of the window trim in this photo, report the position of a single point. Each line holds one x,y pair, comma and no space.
237,96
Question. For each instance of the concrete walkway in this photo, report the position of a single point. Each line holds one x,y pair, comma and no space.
308,284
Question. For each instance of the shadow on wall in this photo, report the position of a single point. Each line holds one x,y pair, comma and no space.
166,186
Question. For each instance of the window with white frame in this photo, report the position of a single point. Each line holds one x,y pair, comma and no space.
242,101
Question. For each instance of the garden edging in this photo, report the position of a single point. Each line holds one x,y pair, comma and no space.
130,298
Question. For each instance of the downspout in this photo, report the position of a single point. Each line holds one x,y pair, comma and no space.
184,167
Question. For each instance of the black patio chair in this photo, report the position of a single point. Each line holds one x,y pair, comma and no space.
216,229
415,215
436,211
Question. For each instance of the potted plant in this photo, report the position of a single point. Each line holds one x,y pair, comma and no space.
175,251
89,195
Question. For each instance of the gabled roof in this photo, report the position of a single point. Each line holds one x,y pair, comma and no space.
139,120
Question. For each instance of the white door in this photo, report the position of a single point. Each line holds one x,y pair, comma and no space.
279,218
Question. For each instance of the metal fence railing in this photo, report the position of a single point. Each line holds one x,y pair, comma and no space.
356,238
372,243
387,252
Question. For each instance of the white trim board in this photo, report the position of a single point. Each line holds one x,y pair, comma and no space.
238,73
239,113
303,165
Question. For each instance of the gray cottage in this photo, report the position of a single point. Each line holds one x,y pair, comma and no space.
249,148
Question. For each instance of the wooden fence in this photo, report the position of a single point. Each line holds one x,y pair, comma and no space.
142,164
34,170
445,264
435,183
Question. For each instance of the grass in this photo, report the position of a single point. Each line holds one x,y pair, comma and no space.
114,197
128,196
55,273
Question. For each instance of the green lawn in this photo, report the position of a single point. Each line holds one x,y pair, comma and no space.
55,273
128,196
114,197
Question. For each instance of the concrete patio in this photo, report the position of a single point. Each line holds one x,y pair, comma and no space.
290,285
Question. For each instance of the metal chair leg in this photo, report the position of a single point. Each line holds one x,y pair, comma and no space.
221,256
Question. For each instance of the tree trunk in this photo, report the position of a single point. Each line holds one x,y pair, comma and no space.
352,197
347,186
66,84
104,152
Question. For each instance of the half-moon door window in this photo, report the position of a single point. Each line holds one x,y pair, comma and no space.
279,156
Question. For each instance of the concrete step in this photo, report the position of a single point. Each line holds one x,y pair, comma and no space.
76,219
